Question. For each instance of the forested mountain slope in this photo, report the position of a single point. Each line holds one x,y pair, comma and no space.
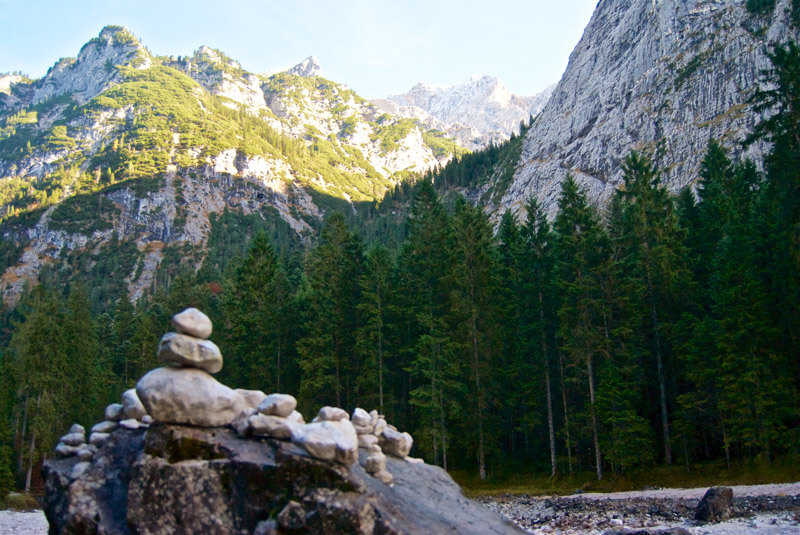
120,145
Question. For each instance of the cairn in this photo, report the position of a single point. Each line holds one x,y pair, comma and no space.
184,392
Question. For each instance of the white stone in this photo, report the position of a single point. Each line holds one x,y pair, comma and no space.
131,423
64,450
277,405
367,440
380,425
98,439
331,414
414,460
376,462
271,426
114,412
77,428
73,439
147,419
188,396
252,398
296,417
131,405
105,426
86,454
79,469
241,424
360,418
182,350
328,440
192,322
395,443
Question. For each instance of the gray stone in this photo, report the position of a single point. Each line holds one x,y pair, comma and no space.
331,414
113,412
360,418
380,425
376,462
241,424
131,423
414,460
188,396
192,322
98,439
186,351
79,469
63,450
131,405
715,505
147,419
73,439
271,426
277,405
77,428
395,443
252,398
328,440
366,441
106,426
86,454
296,417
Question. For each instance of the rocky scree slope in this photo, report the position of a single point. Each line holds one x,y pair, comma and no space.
120,143
658,76
477,113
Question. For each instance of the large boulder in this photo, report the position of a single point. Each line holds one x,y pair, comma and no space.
188,396
180,479
715,505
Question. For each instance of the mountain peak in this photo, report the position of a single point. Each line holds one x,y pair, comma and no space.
307,68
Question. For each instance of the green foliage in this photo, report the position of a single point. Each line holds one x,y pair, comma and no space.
84,213
760,7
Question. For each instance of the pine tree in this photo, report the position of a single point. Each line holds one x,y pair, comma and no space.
372,342
327,351
473,297
581,245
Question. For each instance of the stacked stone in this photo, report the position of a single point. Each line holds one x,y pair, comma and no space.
74,443
330,436
184,392
380,439
272,416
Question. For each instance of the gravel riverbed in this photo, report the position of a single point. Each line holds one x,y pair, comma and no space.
757,509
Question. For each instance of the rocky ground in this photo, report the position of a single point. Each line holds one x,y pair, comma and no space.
23,523
757,509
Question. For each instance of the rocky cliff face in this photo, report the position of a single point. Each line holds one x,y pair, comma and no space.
477,112
659,76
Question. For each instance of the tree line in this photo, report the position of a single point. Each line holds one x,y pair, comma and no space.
660,330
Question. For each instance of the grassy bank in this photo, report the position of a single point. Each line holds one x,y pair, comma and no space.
521,480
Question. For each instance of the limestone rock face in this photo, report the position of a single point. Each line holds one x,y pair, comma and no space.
662,77
182,350
188,396
177,479
193,322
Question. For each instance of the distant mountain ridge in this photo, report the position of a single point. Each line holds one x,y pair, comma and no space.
477,112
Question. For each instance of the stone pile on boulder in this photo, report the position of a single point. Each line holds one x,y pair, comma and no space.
328,476
184,392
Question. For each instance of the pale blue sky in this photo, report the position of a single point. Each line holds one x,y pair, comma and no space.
377,47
